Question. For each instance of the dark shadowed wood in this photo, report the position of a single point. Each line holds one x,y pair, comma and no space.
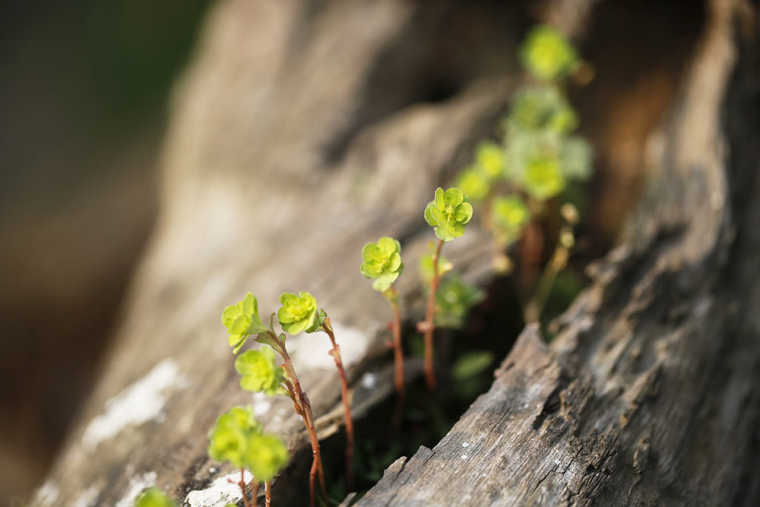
648,394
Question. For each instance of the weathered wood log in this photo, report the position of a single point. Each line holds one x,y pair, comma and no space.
649,393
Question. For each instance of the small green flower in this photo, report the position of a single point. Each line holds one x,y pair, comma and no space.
543,177
241,320
541,108
229,437
547,54
448,213
474,184
266,456
298,313
490,159
508,216
153,497
454,300
381,261
259,371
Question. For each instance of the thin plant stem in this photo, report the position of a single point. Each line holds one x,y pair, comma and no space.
428,325
335,353
556,264
255,493
398,351
303,408
268,493
243,488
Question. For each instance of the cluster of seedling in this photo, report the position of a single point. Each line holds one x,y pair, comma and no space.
513,180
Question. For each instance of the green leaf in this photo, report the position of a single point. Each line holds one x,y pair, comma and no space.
547,54
381,261
474,184
242,320
454,299
490,159
448,213
471,364
259,371
298,313
153,497
540,108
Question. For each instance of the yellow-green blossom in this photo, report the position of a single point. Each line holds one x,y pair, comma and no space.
448,213
490,159
153,497
266,456
541,108
547,54
508,216
241,320
298,313
229,437
543,178
381,261
474,184
259,371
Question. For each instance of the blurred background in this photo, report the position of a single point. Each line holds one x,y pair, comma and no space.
84,97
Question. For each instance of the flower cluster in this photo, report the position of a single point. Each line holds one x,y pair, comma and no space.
448,213
298,313
238,438
547,54
509,215
381,262
242,320
259,372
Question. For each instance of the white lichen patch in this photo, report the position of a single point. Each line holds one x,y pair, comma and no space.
136,485
141,402
87,498
223,490
311,351
47,494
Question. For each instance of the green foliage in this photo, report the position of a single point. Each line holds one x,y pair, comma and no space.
426,265
266,456
490,159
448,213
241,320
543,177
471,364
381,261
238,438
508,216
474,184
153,497
547,54
541,108
454,299
298,313
259,371
229,437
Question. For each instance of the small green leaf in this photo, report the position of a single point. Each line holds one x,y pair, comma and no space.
454,299
298,313
547,54
474,184
448,213
153,497
471,364
543,177
259,371
508,216
381,261
241,320
490,159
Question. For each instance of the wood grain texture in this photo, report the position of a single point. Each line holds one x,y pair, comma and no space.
648,394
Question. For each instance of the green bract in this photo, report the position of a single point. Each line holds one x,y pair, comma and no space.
298,313
241,320
229,437
542,177
259,370
448,213
490,159
453,300
508,215
266,456
153,497
381,261
547,54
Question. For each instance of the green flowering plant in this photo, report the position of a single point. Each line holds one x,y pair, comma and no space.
453,300
381,262
540,108
490,159
448,213
258,371
547,54
153,497
266,456
242,320
508,217
474,184
426,265
542,178
298,313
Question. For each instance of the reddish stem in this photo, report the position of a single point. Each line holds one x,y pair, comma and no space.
335,353
398,352
255,493
428,324
268,493
243,488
